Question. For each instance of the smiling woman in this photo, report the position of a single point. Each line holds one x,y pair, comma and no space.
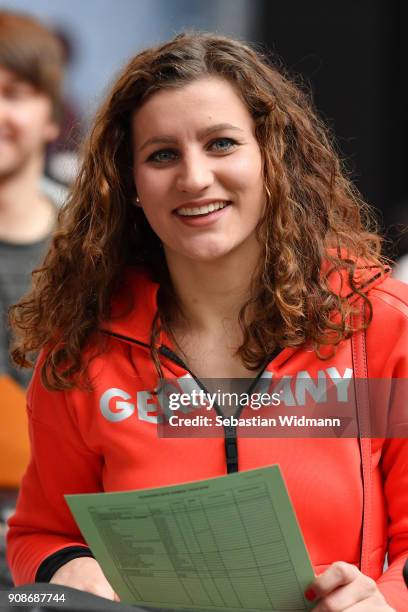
211,233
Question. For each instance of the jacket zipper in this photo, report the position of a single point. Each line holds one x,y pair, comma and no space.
230,431
230,434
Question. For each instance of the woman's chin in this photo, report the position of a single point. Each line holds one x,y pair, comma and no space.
208,253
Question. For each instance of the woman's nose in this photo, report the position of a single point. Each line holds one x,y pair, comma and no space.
194,173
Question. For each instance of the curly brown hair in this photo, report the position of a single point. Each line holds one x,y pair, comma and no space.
314,219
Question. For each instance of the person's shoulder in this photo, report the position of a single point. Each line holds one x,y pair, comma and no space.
387,333
391,295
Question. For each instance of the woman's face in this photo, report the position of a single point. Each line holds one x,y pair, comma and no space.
198,170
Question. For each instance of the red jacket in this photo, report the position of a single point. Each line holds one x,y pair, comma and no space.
80,445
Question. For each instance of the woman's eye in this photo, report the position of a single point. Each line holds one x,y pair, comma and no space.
165,155
223,144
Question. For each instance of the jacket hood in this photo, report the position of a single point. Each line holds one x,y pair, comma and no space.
133,306
365,278
135,303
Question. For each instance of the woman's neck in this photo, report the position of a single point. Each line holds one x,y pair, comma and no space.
211,294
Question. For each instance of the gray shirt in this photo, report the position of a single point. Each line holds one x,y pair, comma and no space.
16,263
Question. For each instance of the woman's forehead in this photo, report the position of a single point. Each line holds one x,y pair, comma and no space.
198,105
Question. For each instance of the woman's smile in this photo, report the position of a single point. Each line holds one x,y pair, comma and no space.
202,213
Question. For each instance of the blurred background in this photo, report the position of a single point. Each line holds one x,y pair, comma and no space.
349,53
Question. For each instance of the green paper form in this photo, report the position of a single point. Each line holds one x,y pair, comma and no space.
228,543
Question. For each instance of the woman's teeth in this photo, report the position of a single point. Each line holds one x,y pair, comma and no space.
202,210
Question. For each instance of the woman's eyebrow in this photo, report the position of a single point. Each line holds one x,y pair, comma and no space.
164,139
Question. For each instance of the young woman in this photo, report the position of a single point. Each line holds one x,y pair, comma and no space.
211,232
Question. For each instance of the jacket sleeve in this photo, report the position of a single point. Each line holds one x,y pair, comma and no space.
60,464
388,352
395,469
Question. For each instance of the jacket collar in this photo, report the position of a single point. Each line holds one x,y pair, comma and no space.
133,307
135,303
365,277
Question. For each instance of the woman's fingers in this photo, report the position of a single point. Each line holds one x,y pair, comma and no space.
337,575
343,588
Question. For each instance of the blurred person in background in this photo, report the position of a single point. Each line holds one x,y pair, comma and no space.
31,71
31,62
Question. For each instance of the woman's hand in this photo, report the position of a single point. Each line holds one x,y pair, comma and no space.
342,587
85,574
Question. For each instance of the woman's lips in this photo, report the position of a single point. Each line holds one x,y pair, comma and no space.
204,218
